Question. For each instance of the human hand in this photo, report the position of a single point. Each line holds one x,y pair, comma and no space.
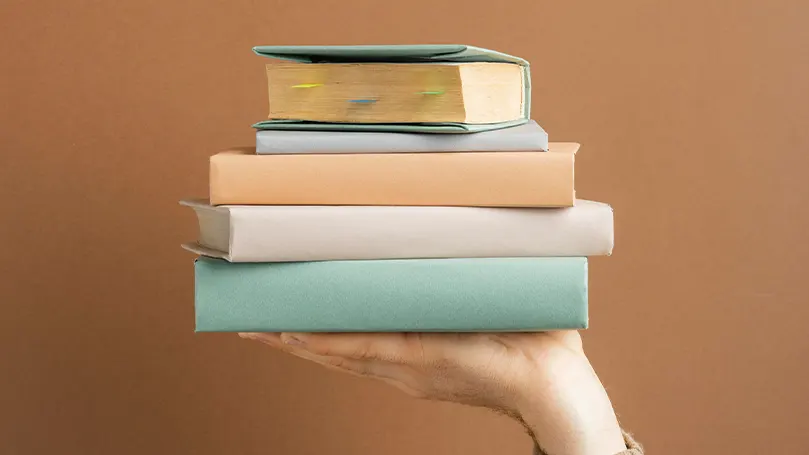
544,380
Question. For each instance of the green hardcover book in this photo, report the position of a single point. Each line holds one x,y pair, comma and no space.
446,295
444,88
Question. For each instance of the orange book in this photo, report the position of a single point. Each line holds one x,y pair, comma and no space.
481,179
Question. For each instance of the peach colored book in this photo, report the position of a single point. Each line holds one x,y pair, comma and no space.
487,179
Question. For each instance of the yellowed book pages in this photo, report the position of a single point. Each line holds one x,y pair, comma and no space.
482,179
476,93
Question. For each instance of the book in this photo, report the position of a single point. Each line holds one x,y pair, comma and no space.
475,93
486,179
439,69
448,295
527,137
245,233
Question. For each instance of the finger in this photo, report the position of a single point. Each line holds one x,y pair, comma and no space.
388,347
391,374
403,387
332,363
362,368
272,339
367,368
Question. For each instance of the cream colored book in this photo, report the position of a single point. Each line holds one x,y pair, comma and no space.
244,233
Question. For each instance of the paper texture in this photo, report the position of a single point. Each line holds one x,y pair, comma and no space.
485,179
327,233
527,137
393,295
395,54
390,93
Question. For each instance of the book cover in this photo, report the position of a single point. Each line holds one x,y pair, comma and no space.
245,233
485,179
527,137
448,295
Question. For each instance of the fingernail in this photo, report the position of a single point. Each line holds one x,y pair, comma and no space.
248,336
292,340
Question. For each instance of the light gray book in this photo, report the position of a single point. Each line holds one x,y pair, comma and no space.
526,137
289,233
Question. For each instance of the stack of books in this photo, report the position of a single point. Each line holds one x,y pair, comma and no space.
396,188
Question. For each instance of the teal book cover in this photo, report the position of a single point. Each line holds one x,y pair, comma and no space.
443,295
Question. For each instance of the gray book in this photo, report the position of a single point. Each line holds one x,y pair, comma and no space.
526,137
300,233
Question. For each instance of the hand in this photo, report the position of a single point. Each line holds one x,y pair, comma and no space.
544,380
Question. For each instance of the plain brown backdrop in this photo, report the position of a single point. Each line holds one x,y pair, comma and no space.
693,121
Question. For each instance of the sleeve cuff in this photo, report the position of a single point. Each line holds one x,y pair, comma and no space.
632,446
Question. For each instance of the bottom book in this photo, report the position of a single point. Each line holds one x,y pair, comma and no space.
412,295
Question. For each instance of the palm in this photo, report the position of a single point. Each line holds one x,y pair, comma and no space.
473,368
542,379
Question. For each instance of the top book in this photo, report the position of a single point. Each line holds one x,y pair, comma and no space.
409,88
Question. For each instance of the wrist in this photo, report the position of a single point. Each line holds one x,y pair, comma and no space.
566,409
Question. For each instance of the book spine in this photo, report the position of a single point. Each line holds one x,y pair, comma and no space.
320,233
516,294
502,179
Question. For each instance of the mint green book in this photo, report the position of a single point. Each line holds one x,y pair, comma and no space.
446,295
396,54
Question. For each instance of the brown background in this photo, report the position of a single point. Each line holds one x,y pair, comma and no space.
693,119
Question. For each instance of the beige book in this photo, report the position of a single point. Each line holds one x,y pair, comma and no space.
484,179
294,233
474,93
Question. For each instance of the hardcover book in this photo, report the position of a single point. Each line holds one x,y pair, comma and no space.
415,88
475,93
245,233
485,179
527,137
447,295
